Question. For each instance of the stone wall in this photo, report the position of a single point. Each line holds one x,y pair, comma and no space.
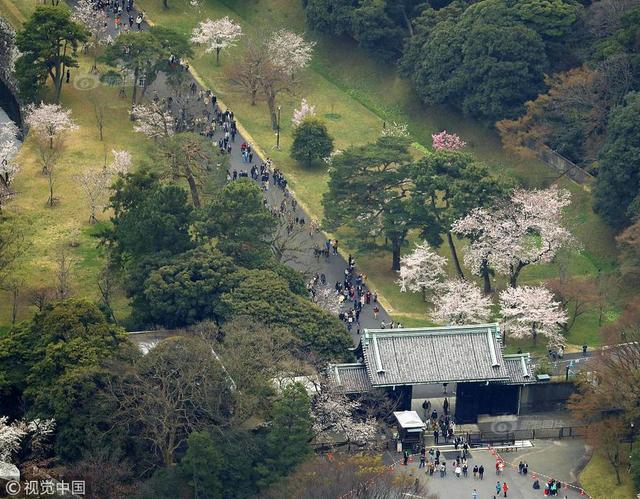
545,397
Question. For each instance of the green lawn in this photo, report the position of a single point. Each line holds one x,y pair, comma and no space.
47,230
599,480
355,95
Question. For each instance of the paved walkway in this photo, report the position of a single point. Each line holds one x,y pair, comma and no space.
545,460
332,267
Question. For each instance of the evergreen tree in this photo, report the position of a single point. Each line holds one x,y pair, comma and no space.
287,442
311,141
617,189
49,42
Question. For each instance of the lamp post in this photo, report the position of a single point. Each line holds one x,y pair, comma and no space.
278,129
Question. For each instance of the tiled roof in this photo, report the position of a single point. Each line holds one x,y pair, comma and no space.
519,368
350,378
434,355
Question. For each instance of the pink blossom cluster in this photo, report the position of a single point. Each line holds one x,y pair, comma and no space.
447,141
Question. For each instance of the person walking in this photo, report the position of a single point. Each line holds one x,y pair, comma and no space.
475,472
481,472
436,433
505,488
474,494
458,471
498,487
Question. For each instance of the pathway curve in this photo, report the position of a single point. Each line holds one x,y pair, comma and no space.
332,267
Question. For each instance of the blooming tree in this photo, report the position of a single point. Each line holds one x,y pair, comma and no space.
327,299
290,51
305,111
10,438
329,159
529,311
121,162
8,150
447,141
12,435
422,270
334,412
8,141
216,35
395,130
154,120
461,302
94,184
525,230
95,20
49,122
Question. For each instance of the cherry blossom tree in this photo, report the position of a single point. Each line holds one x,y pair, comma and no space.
394,129
447,141
9,146
8,141
49,123
94,184
333,412
153,120
327,299
422,270
121,162
477,255
96,22
289,51
526,230
461,302
305,111
529,311
216,35
12,435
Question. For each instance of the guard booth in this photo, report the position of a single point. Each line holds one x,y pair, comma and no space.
410,428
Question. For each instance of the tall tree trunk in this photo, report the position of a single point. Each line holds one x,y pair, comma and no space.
514,274
486,277
395,253
454,255
218,56
271,102
407,21
134,95
50,176
165,4
195,197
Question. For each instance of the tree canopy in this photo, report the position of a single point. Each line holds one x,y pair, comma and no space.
48,43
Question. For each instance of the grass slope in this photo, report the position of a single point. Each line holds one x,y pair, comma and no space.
47,229
599,480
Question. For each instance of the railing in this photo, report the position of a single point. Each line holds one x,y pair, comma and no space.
492,438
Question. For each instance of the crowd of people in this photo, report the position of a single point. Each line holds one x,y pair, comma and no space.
197,110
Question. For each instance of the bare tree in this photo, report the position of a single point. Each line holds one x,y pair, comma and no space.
177,388
355,477
246,73
106,283
40,297
99,110
12,246
63,272
290,242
